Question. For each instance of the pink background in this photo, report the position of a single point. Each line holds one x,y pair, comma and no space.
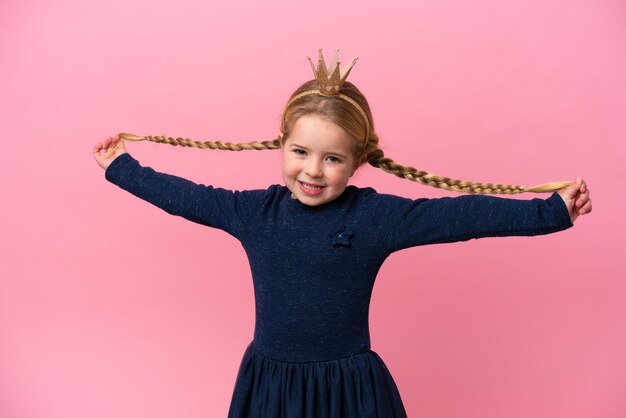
109,307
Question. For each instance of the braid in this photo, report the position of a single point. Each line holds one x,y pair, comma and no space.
375,157
378,159
186,142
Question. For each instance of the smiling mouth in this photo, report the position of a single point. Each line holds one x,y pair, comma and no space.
310,188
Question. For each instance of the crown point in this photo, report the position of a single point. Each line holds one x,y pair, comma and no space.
330,78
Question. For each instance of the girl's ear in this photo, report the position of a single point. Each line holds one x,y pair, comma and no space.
280,138
359,164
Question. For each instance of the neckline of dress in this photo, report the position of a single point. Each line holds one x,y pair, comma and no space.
299,206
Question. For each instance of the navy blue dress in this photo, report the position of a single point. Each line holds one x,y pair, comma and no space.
313,269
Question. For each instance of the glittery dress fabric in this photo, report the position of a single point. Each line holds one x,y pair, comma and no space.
313,270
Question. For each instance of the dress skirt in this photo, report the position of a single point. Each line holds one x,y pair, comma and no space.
356,386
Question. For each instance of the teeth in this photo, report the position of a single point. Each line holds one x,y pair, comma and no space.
311,187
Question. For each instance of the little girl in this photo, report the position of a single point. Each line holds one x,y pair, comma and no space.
316,244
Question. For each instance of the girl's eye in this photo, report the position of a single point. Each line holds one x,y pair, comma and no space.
299,151
334,159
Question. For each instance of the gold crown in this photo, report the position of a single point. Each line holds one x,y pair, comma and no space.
330,84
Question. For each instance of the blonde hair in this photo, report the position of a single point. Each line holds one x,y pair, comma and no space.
349,118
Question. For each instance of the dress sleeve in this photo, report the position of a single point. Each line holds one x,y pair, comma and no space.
228,210
450,219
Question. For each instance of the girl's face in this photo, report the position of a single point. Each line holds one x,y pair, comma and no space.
317,160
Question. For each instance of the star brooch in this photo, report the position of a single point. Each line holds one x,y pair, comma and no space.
341,237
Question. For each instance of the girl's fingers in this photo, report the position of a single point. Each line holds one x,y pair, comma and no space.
585,209
107,142
102,146
583,194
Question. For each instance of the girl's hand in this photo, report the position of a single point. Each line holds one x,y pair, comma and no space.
107,150
576,198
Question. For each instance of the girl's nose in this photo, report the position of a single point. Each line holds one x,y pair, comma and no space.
314,169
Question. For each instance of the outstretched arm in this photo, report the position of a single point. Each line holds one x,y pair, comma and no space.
216,207
409,223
